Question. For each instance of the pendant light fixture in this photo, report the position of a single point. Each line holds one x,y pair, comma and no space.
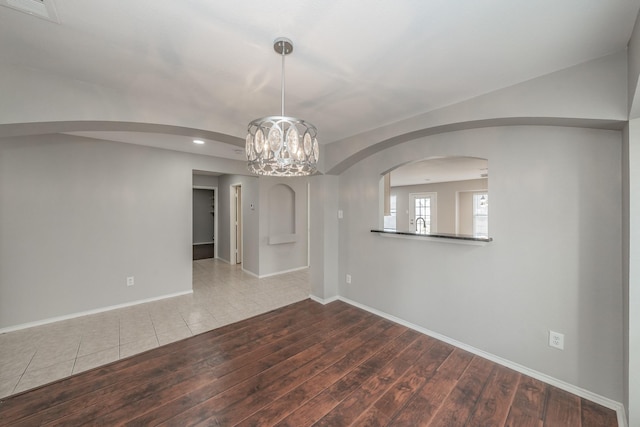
281,145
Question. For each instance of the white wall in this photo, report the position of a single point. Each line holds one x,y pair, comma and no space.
79,216
631,242
323,268
555,262
632,288
204,180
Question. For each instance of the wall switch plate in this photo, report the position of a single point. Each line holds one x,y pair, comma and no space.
130,281
348,279
556,340
340,214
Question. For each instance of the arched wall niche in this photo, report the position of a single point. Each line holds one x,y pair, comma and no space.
282,214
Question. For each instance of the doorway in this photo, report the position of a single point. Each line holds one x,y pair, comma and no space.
235,224
204,223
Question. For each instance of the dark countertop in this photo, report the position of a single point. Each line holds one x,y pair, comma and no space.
437,235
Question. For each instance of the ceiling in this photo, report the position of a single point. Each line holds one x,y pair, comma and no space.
357,65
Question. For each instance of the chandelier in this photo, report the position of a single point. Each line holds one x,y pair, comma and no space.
281,145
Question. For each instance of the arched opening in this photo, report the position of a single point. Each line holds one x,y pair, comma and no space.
443,195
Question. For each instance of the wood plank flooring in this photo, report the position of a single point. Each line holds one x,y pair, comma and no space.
304,364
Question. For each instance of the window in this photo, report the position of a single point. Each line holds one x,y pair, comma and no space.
390,220
481,214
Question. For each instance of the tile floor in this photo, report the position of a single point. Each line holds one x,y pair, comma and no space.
222,294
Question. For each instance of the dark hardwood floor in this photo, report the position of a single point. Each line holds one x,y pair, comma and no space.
304,364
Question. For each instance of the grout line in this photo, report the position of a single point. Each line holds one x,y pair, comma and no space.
155,331
76,358
24,372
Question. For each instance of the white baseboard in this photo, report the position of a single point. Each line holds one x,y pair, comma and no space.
277,273
323,301
262,276
89,312
250,273
586,394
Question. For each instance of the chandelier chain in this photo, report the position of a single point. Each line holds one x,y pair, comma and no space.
282,82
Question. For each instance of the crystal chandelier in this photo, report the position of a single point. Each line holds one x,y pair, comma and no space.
281,145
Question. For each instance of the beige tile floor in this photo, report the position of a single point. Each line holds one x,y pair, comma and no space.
222,294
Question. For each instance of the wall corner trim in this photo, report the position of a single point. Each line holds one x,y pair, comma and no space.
586,394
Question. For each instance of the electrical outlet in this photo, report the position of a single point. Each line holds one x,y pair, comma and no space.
130,281
556,340
348,279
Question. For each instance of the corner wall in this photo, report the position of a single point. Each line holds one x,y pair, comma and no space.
77,217
323,269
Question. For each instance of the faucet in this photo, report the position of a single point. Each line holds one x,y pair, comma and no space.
424,223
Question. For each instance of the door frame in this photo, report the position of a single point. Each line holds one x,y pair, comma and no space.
233,232
308,224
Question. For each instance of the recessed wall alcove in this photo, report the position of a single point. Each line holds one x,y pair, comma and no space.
282,214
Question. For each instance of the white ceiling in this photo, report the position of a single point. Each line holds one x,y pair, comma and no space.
356,65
